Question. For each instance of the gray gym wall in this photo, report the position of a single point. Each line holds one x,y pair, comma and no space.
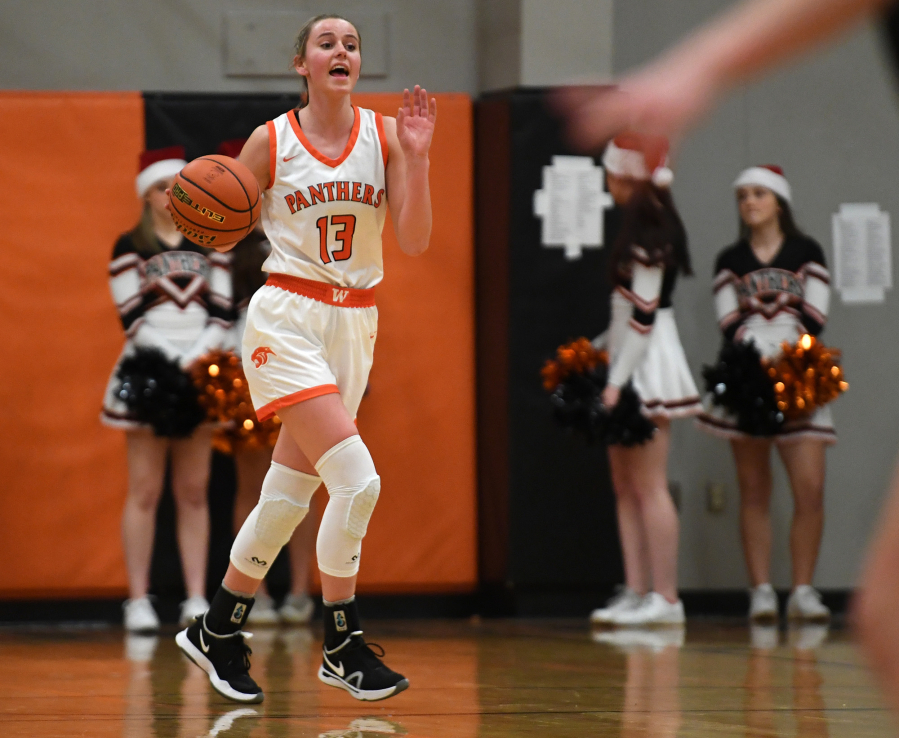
830,121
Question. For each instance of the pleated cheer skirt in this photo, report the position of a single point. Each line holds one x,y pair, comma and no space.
662,379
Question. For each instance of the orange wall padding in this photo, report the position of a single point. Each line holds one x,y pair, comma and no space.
67,172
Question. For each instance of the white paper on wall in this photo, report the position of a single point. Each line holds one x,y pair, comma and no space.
571,205
863,267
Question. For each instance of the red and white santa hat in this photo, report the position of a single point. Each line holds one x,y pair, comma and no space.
158,164
639,156
765,175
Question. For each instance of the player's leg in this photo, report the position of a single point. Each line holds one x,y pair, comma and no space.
878,600
805,463
146,477
215,642
753,461
251,467
191,459
353,485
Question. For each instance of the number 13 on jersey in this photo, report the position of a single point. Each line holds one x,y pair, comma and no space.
345,226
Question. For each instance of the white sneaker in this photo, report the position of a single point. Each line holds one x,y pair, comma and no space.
297,609
191,608
625,600
140,617
805,604
263,612
654,610
763,604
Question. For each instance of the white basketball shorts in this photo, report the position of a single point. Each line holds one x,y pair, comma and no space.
305,339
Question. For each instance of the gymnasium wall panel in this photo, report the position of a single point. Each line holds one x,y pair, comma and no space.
67,178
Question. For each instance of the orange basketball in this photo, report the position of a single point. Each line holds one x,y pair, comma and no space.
215,201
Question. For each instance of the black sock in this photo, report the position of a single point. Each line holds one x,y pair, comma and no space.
341,620
228,611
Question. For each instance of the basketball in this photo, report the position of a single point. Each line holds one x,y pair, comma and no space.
215,201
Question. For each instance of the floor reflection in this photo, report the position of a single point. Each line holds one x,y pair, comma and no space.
651,704
765,686
489,679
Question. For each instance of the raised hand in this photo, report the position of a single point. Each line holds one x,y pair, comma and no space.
415,123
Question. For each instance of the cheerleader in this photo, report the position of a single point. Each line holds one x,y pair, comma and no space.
252,464
173,296
326,169
645,350
772,286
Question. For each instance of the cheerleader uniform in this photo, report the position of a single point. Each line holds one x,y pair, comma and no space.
769,304
177,300
643,342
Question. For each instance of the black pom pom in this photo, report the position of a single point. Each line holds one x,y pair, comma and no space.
157,392
739,384
626,425
577,406
576,401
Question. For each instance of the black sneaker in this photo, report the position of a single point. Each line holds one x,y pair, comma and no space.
226,659
353,666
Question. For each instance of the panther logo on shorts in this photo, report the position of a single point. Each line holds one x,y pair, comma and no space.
260,356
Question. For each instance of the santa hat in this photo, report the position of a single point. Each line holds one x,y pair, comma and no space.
765,175
231,148
158,164
639,156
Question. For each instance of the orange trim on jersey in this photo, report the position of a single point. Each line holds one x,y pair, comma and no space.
272,152
267,411
382,137
331,294
293,117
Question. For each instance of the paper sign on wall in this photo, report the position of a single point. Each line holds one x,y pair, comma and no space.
571,204
863,267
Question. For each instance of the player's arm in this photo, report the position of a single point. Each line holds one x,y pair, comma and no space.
256,155
408,190
672,92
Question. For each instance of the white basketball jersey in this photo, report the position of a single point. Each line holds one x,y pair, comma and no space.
324,216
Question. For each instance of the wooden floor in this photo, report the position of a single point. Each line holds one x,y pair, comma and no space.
494,678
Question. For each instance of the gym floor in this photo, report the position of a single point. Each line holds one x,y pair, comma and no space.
468,678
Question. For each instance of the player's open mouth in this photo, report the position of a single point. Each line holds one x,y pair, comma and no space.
339,71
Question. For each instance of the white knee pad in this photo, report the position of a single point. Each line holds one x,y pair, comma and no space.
282,505
353,485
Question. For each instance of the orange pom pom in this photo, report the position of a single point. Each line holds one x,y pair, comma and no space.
576,357
806,375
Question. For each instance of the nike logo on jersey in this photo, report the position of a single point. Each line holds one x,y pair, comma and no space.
288,158
203,643
336,669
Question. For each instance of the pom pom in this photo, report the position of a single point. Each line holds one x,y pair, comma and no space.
739,383
626,425
576,379
225,396
158,393
662,177
806,376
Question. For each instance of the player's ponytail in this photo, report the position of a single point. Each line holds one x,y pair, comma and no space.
651,221
299,48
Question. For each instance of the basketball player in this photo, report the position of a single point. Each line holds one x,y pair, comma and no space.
326,169
671,94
